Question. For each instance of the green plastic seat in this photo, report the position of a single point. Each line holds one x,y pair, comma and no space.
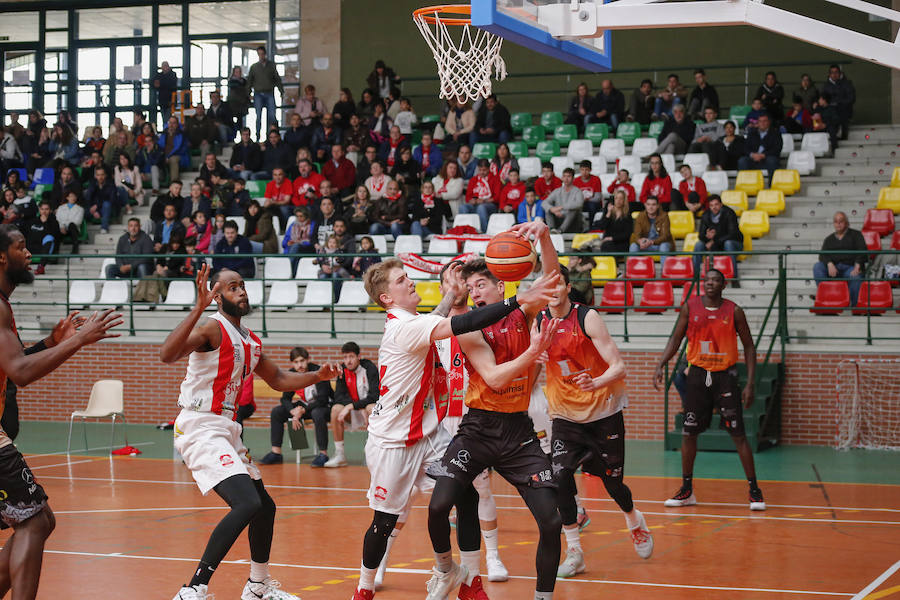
39,190
547,150
518,149
430,119
415,139
565,134
596,132
520,121
257,188
656,128
551,119
484,150
533,134
739,112
628,132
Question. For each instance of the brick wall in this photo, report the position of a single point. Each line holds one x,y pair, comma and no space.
151,389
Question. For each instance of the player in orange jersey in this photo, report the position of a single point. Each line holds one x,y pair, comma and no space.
712,325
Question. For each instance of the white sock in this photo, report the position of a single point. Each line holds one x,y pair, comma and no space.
387,551
578,503
472,561
491,540
258,571
339,448
633,519
543,596
367,578
573,538
443,561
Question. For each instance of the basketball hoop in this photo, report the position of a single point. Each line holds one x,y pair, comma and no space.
465,67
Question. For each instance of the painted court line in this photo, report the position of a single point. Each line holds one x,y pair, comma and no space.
88,450
428,571
878,581
69,462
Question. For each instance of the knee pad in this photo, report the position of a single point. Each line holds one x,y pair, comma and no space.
382,524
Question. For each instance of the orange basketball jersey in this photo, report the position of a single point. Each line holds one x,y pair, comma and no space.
712,338
508,338
571,353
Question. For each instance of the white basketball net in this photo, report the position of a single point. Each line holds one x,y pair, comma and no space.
464,68
868,411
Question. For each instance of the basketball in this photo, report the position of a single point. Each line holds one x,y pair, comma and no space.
510,257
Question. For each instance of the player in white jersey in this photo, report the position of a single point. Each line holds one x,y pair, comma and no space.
405,435
222,355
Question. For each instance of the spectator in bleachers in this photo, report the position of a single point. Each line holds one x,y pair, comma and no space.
608,106
719,232
448,185
365,108
591,190
218,231
382,79
346,242
36,149
220,114
669,97
172,196
547,182
200,232
8,206
563,206
115,146
428,213
169,226
651,230
616,223
296,136
63,148
171,264
406,171
356,133
703,96
263,78
503,161
339,171
148,160
300,237
677,133
657,184
70,216
733,144
357,210
140,128
24,207
361,263
763,147
64,184
309,108
325,135
467,163
842,95
380,125
221,194
133,242
492,123
311,402
65,119
390,214
640,108
325,215
405,117
623,182
10,154
330,266
691,193
175,148
389,152
211,166
234,243
356,390
707,137
280,197
102,199
129,184
307,184
512,193
377,181
482,194
259,228
807,92
392,103
246,157
90,165
238,96
94,141
41,233
344,108
364,164
429,156
531,208
459,124
825,118
201,130
579,111
771,92
165,82
849,266
240,199
15,128
797,119
276,155
196,201
752,118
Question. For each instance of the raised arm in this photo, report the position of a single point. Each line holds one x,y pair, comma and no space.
743,331
194,332
283,380
596,329
672,346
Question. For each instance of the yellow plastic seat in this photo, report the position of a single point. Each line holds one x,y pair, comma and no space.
786,180
579,239
736,199
604,270
430,293
754,223
748,247
564,261
895,178
511,288
771,201
889,197
681,223
690,240
750,182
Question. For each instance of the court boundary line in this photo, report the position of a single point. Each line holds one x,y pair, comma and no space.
136,445
877,581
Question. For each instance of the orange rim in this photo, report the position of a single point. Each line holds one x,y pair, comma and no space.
431,14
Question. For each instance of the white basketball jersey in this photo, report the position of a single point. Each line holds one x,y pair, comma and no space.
454,362
214,379
413,386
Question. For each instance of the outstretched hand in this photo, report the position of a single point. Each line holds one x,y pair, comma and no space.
66,328
97,326
328,371
543,337
531,230
205,295
541,291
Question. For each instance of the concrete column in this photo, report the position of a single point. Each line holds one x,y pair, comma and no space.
320,38
895,73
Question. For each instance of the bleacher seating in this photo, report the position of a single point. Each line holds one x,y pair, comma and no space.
739,112
604,270
691,289
716,181
408,243
668,161
82,293
316,295
529,167
895,178
477,246
547,149
560,163
655,129
873,240
518,149
115,292
612,149
257,188
180,295
698,162
628,132
255,291
353,296
681,222
889,198
720,263
895,241
616,294
656,297
580,150
438,246
632,164
679,268
736,199
580,239
467,219
802,161
644,147
551,119
533,134
832,297
875,298
770,201
520,121
596,132
307,269
639,268
485,150
750,182
598,166
786,180
278,267
817,143
429,292
787,144
879,220
754,223
499,222
563,134
690,240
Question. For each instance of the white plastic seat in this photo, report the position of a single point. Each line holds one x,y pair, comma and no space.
816,142
529,166
580,150
500,222
409,243
787,144
698,162
477,246
668,161
470,219
241,222
82,293
559,243
416,274
644,147
676,179
436,246
632,164
611,149
605,180
353,296
716,181
560,163
802,161
637,182
278,267
380,243
114,293
106,262
283,294
180,295
255,291
598,166
287,226
307,268
106,402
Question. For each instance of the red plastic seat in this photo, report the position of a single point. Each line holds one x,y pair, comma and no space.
698,290
640,268
895,241
873,240
832,297
875,297
720,263
880,220
657,297
616,294
680,268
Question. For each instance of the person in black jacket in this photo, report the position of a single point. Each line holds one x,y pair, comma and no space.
580,108
492,124
677,133
165,82
356,390
608,105
102,198
772,95
41,233
220,114
843,95
311,402
276,155
702,97
763,147
428,213
246,157
66,183
617,224
719,231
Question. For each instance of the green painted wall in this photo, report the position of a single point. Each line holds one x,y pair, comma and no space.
385,30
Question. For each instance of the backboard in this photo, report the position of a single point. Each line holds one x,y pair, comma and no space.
527,23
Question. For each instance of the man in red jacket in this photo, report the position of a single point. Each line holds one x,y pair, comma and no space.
547,182
306,186
591,188
483,194
512,193
340,171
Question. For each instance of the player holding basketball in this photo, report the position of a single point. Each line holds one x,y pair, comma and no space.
497,431
586,394
24,506
222,354
712,325
405,435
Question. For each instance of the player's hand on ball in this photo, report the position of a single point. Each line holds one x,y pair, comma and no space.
328,371
585,382
533,228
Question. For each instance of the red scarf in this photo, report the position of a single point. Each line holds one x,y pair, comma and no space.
426,159
428,200
378,183
394,145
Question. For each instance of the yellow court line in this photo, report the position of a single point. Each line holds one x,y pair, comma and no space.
883,593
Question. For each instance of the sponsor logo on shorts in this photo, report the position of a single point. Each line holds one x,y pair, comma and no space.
558,445
617,472
613,436
28,478
380,493
461,460
541,434
690,419
726,395
542,476
226,460
3,495
556,468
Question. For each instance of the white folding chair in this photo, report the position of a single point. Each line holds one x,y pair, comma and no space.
500,222
697,161
529,166
470,219
611,149
82,293
278,267
408,243
353,296
307,269
283,294
180,295
817,143
716,181
644,147
106,401
580,150
114,293
803,161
